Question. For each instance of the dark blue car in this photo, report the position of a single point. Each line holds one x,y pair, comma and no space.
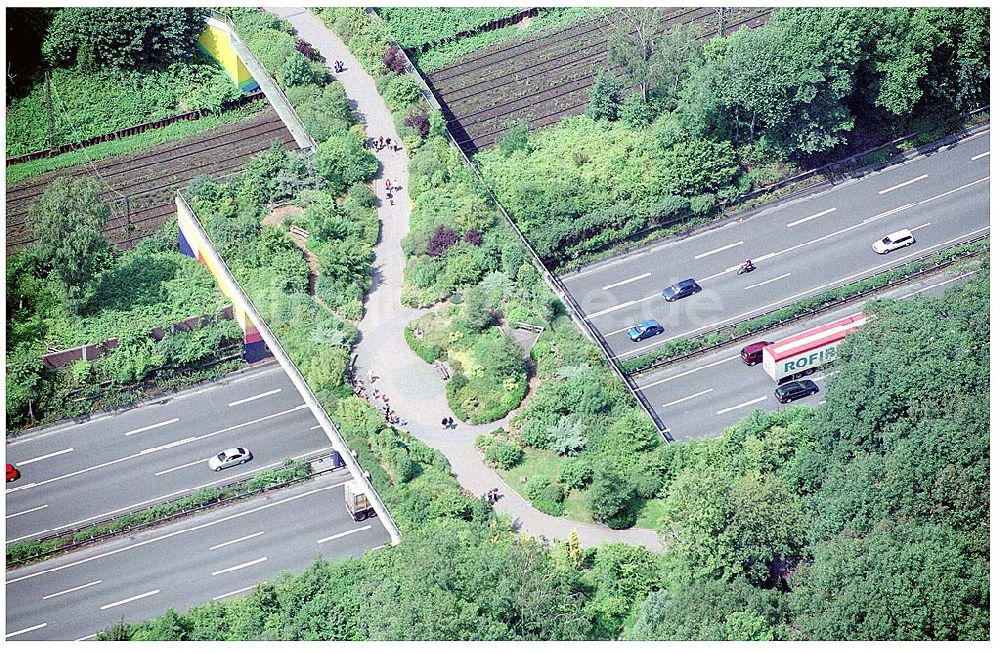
681,289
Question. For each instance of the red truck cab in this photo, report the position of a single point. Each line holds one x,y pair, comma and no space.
753,354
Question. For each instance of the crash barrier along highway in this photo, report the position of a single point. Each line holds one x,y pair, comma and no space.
193,235
554,283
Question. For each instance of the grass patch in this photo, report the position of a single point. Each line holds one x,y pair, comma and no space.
650,513
547,464
145,140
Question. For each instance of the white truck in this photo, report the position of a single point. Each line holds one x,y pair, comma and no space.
357,502
801,354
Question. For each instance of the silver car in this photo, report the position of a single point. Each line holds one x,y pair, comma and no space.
229,458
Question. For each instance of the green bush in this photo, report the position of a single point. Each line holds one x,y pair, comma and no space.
399,91
609,498
342,160
550,499
575,473
503,454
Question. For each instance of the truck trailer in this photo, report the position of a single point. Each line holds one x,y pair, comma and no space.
357,501
801,354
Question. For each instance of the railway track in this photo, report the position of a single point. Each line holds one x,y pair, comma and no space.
140,187
476,93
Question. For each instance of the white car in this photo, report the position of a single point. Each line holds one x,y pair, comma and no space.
229,458
895,240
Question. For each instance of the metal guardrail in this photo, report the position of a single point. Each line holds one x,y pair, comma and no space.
268,85
224,274
811,312
166,518
554,283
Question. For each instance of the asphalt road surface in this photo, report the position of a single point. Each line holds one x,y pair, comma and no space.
705,395
800,248
215,555
78,474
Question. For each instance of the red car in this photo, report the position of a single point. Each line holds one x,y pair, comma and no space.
12,473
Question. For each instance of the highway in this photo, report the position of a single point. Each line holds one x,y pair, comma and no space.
800,248
212,556
706,394
78,474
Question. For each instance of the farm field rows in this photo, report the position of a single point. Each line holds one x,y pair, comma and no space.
539,81
140,187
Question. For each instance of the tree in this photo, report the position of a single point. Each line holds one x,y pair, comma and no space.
342,160
608,499
636,48
123,37
605,97
69,220
904,582
24,380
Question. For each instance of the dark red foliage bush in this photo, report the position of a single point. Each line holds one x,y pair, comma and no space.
394,60
307,50
441,240
473,237
419,121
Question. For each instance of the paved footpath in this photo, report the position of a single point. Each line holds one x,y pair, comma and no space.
416,393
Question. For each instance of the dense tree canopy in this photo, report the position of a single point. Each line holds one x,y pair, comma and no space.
132,37
69,220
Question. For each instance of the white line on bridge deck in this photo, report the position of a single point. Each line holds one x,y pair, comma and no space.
129,599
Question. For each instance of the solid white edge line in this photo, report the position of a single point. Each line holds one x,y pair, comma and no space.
622,283
153,426
25,512
697,394
73,589
811,217
242,566
743,405
129,599
260,396
24,630
48,455
239,591
905,183
344,534
717,250
239,539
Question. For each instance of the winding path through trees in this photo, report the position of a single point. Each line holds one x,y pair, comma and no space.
416,393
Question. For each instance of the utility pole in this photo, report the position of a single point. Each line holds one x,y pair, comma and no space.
723,14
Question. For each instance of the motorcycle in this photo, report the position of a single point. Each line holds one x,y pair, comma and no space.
746,268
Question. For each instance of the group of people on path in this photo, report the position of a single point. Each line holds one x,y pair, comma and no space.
493,496
389,189
380,143
338,66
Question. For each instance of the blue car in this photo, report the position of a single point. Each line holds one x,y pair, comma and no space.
681,289
647,329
